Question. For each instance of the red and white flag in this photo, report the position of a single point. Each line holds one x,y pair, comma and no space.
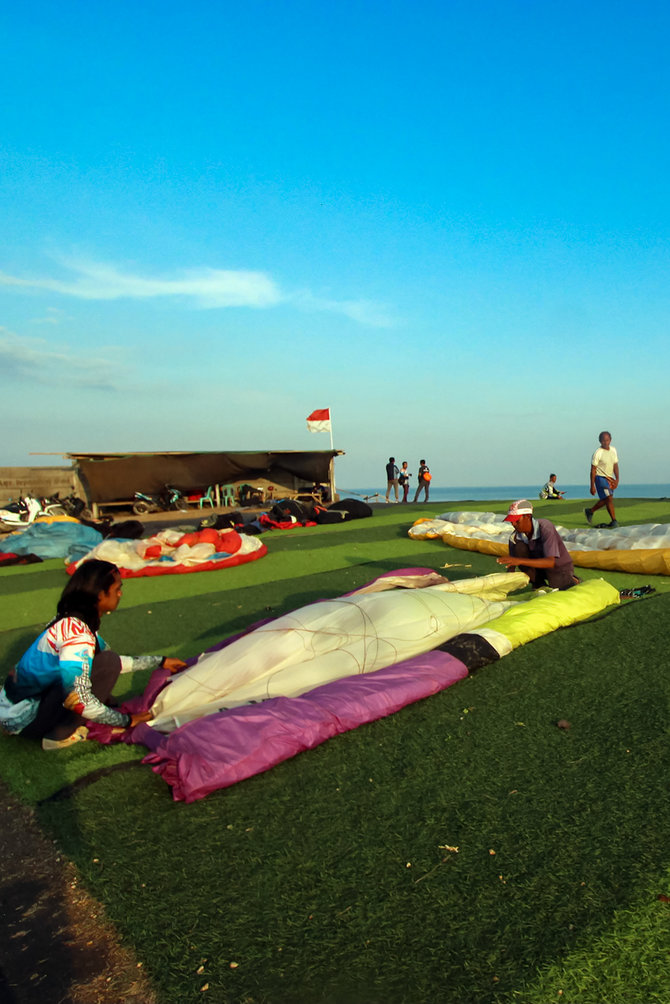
319,420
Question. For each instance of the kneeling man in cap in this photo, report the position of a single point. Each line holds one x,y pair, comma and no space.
536,548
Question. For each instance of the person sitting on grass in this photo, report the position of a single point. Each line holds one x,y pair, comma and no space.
604,479
536,548
550,491
66,677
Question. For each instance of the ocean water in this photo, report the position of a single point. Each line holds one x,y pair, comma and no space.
506,493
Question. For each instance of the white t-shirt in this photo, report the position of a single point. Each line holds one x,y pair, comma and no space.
604,461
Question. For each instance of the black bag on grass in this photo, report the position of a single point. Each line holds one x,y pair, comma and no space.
128,529
356,508
282,511
331,516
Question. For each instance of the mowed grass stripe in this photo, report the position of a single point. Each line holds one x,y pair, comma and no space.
328,879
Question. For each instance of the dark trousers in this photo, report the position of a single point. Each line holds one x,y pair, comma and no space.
421,487
555,578
53,721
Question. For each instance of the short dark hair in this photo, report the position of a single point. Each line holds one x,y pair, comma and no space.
605,433
80,596
551,476
391,460
422,461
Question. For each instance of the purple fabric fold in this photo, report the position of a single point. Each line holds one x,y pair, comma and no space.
227,747
221,749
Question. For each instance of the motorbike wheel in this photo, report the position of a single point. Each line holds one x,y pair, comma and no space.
57,510
140,508
181,505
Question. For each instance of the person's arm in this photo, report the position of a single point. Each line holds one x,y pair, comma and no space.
615,481
593,479
512,560
75,658
133,663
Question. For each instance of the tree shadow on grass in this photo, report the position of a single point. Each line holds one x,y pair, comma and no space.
34,952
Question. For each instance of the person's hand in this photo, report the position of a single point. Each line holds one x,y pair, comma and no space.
173,665
507,559
593,489
142,716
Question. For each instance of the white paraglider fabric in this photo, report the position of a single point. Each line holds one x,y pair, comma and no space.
329,640
491,526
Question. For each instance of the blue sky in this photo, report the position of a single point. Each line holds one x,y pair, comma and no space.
448,222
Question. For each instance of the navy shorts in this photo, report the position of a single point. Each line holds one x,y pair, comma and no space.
603,487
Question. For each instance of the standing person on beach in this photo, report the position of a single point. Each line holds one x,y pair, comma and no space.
403,480
536,548
424,477
392,473
604,478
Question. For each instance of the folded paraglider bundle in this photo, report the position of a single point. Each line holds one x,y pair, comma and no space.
173,551
288,684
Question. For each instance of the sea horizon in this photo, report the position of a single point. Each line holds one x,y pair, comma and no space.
506,493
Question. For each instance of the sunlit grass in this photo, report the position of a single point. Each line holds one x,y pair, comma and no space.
335,877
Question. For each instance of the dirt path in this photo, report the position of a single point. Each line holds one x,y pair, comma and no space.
56,945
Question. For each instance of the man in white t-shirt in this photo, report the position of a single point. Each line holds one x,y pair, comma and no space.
604,478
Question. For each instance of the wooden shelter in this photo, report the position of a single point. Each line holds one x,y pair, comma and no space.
113,478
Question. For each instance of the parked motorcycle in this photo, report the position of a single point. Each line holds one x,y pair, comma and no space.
17,515
168,498
74,506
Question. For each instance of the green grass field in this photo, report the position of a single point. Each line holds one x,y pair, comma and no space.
462,851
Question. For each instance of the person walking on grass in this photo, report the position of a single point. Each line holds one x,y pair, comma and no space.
423,478
604,478
392,473
536,548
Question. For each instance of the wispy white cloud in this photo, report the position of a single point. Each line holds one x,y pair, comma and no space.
206,288
34,359
365,312
53,316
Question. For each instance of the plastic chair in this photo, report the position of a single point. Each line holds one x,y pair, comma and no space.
228,495
207,497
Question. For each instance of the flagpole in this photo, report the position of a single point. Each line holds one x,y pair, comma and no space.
332,460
